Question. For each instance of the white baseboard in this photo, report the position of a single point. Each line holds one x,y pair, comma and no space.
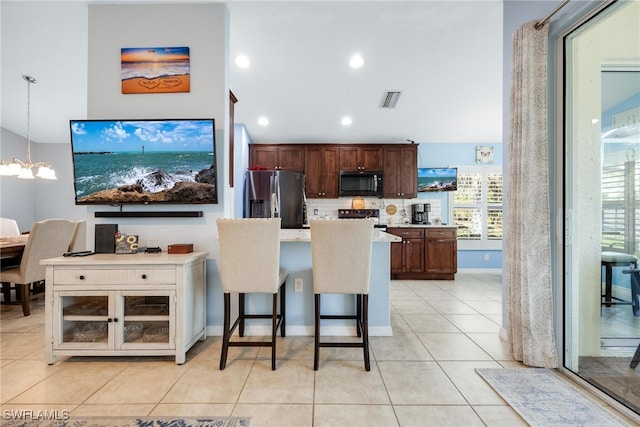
480,270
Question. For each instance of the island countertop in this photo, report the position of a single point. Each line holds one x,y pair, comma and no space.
304,235
402,225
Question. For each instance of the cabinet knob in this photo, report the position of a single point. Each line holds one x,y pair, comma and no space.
81,277
109,320
144,276
115,319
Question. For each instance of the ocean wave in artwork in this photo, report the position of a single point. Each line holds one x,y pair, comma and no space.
152,70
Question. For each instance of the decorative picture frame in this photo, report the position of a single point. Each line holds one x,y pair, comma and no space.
126,244
155,70
484,154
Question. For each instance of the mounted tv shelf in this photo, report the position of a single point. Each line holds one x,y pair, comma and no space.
149,214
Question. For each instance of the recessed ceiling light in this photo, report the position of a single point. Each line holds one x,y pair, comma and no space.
242,61
356,61
263,121
346,121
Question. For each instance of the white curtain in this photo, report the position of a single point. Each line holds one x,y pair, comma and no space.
527,243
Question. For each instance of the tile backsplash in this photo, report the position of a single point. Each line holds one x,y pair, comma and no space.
322,208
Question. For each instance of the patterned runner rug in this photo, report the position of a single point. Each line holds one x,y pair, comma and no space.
545,399
130,422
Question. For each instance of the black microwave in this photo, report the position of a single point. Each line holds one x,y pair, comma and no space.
361,183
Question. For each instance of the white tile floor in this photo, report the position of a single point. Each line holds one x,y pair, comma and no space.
422,376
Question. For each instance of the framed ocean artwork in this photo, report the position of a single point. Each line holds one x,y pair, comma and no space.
155,70
437,179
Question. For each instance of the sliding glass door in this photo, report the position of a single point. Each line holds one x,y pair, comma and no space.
602,201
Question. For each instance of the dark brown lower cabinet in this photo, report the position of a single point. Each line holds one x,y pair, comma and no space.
424,253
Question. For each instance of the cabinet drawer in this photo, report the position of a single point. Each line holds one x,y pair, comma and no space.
441,234
407,233
115,277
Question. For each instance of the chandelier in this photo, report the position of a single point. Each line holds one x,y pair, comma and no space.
25,169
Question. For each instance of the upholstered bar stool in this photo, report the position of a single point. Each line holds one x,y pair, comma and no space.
250,263
609,260
341,263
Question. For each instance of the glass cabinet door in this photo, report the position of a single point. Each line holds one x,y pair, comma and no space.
85,318
147,319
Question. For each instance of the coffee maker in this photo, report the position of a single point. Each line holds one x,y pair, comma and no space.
420,213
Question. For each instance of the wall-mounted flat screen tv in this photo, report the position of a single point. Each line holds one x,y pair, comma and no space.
119,162
437,179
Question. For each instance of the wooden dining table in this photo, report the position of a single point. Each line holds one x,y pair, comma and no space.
12,246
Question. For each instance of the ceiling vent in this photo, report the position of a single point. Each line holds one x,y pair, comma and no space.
390,99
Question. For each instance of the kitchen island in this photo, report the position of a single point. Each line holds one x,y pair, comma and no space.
295,256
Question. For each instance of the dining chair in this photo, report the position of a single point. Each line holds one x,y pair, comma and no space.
250,263
341,264
9,227
47,239
79,237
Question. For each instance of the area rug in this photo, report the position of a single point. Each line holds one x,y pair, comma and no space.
544,399
129,422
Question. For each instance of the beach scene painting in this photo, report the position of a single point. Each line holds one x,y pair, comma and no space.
155,70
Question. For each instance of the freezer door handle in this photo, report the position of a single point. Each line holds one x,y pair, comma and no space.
274,205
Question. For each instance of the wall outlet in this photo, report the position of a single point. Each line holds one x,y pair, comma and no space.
298,284
486,257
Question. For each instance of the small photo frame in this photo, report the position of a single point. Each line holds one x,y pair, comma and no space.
126,244
484,154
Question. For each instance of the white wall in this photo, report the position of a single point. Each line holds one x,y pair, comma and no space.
29,201
16,195
241,161
204,29
64,54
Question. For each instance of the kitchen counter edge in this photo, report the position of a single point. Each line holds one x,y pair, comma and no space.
304,235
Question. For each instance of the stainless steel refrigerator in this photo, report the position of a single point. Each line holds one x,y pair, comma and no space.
275,194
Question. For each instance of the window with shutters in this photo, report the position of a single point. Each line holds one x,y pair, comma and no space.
477,207
620,205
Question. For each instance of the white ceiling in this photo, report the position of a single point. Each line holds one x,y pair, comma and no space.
445,57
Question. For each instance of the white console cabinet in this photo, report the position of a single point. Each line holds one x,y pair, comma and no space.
124,305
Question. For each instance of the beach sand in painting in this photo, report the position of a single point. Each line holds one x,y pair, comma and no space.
164,84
